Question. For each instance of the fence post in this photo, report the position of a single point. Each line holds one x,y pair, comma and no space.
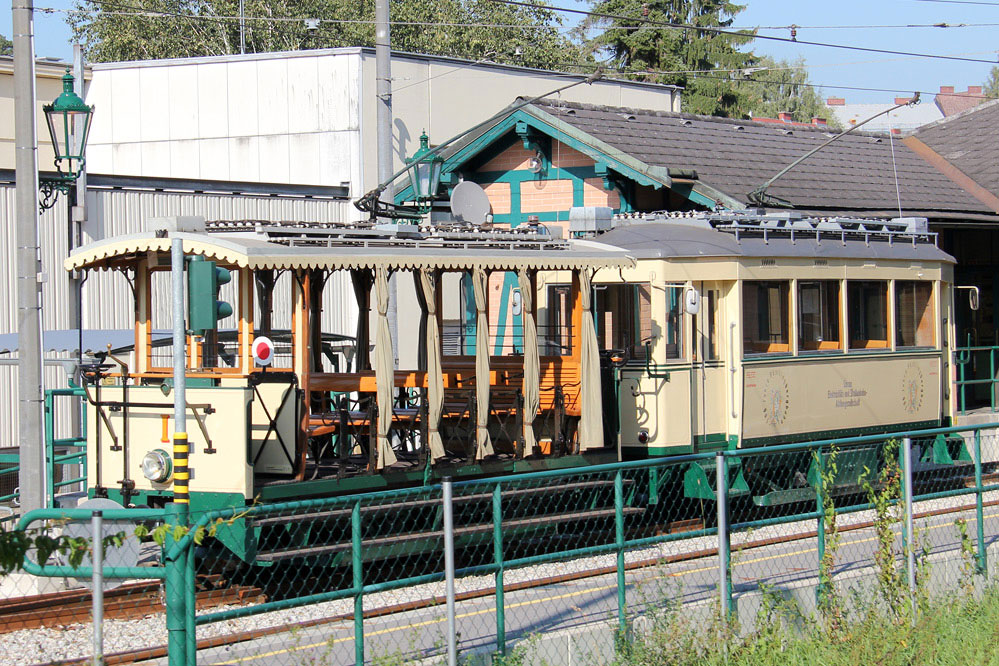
498,559
358,580
190,596
622,596
724,559
97,583
820,527
452,646
909,536
49,450
176,620
979,518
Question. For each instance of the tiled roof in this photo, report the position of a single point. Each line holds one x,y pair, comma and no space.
969,141
854,173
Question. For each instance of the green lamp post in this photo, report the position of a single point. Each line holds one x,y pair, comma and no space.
68,119
425,174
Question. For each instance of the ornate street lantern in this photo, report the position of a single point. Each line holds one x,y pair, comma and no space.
425,174
69,120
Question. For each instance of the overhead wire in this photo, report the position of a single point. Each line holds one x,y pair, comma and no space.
736,33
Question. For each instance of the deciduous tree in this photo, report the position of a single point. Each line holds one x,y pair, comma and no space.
465,28
6,46
778,85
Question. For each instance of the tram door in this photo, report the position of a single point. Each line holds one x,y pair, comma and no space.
708,372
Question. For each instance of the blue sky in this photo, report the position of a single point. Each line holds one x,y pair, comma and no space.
827,66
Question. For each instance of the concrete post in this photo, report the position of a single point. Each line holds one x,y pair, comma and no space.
29,289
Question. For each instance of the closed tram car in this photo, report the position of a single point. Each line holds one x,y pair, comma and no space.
666,334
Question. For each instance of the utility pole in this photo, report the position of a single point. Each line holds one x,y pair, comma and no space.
383,89
29,289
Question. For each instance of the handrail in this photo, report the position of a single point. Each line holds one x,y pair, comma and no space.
963,356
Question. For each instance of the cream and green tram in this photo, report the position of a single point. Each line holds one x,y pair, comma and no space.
740,329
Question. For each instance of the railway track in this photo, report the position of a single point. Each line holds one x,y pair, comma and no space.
157,652
126,602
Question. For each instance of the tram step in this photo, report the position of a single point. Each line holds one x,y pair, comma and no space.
509,527
699,479
419,504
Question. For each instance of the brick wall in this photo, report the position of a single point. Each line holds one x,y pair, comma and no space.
545,196
594,194
499,197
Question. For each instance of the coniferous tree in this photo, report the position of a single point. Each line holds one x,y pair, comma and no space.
991,85
706,63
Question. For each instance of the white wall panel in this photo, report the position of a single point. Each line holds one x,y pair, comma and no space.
303,158
213,100
185,159
183,101
274,159
126,157
243,98
214,159
122,106
272,97
303,99
156,103
244,158
155,156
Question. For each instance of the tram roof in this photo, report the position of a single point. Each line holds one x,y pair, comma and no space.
429,253
666,240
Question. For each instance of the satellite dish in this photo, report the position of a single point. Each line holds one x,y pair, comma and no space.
469,203
126,555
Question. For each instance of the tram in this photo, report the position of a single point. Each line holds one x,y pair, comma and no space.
655,335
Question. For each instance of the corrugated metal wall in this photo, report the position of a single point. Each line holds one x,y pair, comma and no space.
107,297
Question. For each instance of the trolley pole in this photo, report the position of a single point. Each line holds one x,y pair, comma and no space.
452,647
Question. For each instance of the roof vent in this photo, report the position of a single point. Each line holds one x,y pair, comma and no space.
570,112
787,132
876,139
686,123
740,128
627,116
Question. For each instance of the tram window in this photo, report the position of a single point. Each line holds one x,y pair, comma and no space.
765,319
818,315
867,313
673,333
624,317
556,338
913,314
708,337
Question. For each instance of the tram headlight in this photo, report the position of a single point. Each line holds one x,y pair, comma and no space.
157,466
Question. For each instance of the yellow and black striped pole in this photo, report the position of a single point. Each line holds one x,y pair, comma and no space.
181,473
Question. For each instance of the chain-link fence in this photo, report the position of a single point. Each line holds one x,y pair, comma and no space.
577,565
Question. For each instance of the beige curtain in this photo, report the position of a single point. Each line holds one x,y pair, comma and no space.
483,444
591,424
532,370
435,379
384,370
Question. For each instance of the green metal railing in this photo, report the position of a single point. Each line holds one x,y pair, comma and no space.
64,454
963,358
509,512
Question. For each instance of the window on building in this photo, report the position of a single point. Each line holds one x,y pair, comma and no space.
818,315
867,313
624,317
765,319
913,314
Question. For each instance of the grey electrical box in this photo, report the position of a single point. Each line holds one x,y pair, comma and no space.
590,219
